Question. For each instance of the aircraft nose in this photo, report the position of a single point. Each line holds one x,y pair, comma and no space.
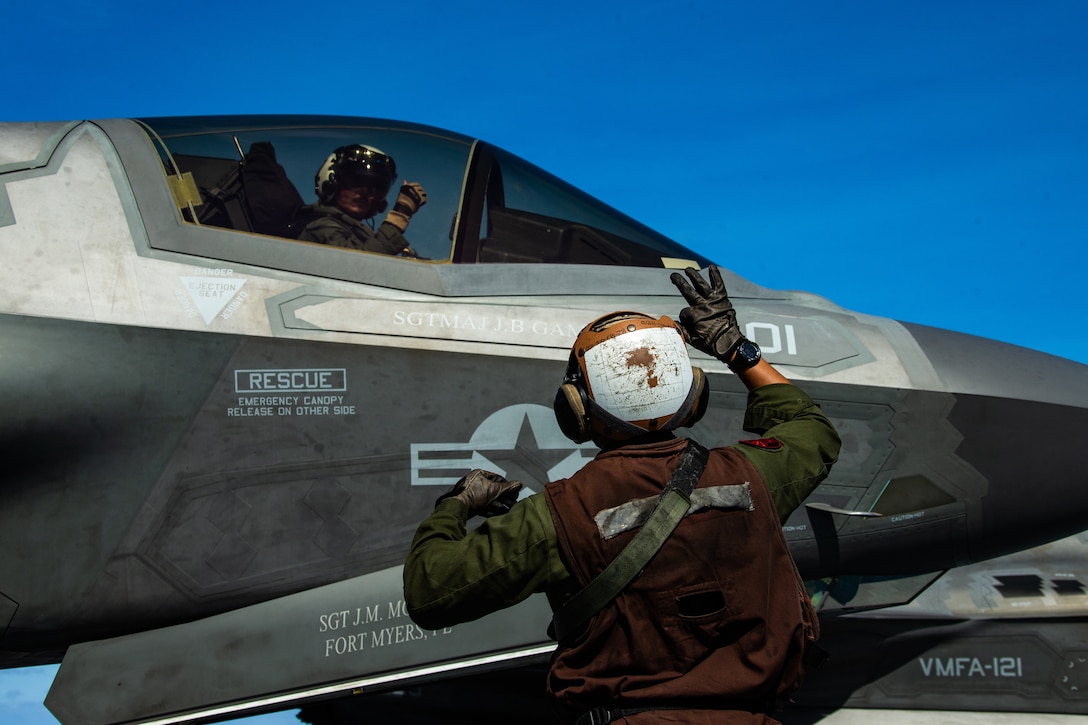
982,461
1023,416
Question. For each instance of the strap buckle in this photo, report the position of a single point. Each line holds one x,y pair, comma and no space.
595,716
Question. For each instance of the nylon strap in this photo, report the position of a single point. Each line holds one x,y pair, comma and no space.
671,506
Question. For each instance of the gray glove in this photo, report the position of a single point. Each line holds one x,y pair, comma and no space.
710,322
485,493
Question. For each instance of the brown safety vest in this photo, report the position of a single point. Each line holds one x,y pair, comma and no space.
719,618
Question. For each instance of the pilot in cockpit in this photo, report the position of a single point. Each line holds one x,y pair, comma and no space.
351,188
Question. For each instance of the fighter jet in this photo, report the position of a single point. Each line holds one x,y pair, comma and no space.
219,439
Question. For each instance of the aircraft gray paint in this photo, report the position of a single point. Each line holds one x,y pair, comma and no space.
219,442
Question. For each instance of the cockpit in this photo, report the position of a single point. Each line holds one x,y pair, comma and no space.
483,205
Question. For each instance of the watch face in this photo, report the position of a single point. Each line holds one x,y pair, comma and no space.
748,354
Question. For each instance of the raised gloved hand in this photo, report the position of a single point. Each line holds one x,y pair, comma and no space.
485,493
409,200
710,322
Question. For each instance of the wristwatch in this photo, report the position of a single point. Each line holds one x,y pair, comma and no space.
747,354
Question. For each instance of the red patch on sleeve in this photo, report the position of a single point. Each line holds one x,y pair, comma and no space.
767,444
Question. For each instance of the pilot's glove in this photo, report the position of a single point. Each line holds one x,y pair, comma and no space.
485,493
411,197
710,322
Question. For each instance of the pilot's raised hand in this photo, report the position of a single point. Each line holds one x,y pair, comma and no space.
485,493
411,197
710,321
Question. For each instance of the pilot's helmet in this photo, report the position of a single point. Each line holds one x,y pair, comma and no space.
354,166
629,374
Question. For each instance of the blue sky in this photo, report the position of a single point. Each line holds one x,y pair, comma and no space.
924,161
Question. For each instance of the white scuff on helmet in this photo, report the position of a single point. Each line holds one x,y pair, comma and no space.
629,374
642,375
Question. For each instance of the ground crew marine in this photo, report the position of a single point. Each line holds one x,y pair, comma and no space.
714,627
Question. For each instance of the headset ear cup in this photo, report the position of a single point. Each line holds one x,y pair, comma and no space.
570,412
702,395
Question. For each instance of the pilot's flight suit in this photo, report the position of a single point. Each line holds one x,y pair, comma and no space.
329,225
711,631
